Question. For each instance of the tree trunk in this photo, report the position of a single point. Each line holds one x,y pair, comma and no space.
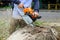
36,33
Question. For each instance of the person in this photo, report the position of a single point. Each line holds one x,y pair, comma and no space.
16,20
36,4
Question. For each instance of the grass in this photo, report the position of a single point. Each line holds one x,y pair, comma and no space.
4,24
4,29
38,23
6,7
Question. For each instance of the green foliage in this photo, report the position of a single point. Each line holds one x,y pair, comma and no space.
6,7
38,23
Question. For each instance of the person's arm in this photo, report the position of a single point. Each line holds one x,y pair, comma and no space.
36,5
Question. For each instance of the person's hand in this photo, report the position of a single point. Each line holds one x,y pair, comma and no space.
36,14
20,5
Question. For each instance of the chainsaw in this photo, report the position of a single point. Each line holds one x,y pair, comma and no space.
31,14
28,16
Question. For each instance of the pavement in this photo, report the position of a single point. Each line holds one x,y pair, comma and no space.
50,16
